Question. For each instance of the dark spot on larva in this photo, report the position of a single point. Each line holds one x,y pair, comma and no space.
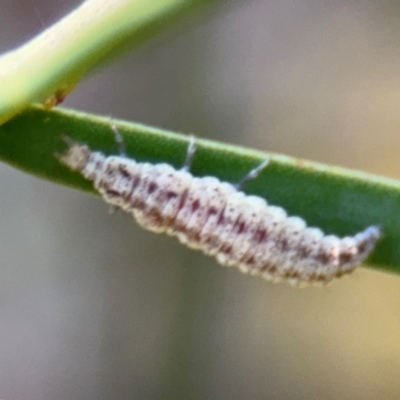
139,205
178,227
325,257
98,165
241,228
265,268
251,261
136,181
345,257
183,199
320,278
295,275
109,170
212,211
196,236
129,194
195,205
112,193
272,269
339,273
155,218
283,244
362,247
221,218
211,240
304,252
123,171
152,188
261,235
287,274
171,195
226,249
126,195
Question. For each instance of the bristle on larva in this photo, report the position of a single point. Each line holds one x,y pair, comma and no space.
219,219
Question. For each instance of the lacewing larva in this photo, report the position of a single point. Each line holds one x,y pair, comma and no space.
219,219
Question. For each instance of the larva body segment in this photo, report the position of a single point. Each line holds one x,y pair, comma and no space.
217,218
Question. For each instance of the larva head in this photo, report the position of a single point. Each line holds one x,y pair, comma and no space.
77,155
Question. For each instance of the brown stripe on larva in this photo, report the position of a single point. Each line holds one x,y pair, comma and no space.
213,216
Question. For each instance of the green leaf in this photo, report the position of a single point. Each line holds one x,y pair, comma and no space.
48,67
337,200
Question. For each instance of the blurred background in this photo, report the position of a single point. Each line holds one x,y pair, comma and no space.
94,307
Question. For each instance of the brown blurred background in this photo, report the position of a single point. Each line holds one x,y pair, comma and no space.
93,307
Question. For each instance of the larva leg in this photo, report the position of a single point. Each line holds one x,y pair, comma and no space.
252,174
190,154
119,139
122,152
112,209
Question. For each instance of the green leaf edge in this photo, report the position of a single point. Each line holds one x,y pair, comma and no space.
337,200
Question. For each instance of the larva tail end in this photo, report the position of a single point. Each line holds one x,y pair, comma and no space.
77,155
368,239
374,232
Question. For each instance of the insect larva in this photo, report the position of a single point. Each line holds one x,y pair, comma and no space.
219,219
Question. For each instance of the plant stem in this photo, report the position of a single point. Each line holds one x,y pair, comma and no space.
48,67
